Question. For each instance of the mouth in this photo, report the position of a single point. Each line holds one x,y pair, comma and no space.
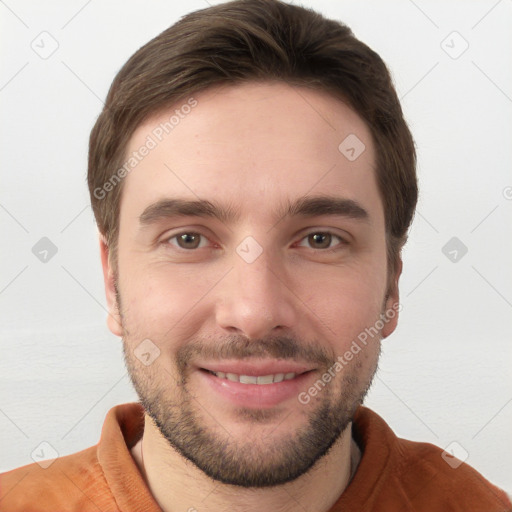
254,383
255,379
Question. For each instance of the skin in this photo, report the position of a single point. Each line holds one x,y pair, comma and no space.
252,149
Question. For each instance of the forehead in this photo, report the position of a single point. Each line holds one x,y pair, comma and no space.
250,144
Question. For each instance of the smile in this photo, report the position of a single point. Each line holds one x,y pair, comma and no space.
255,379
254,384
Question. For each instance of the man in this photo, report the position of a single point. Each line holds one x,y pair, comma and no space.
253,180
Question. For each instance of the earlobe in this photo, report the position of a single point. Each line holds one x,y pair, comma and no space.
114,317
392,304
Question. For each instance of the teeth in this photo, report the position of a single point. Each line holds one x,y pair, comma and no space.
253,379
248,379
266,379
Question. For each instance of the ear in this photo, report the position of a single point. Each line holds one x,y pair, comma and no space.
114,318
392,304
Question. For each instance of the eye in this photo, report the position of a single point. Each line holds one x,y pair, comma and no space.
188,240
320,240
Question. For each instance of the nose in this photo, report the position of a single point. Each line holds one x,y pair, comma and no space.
256,299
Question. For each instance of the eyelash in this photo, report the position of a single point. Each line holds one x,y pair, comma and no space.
341,241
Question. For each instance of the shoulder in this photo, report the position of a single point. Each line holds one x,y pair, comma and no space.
417,476
432,476
72,482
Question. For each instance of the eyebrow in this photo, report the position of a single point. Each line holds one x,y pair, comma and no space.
303,207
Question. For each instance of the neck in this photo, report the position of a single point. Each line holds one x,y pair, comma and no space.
177,484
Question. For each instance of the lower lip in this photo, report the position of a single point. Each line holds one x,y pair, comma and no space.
257,396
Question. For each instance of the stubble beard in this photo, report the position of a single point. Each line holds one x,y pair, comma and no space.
249,461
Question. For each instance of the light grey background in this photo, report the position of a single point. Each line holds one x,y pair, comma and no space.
445,373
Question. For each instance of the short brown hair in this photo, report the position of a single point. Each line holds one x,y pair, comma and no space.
255,40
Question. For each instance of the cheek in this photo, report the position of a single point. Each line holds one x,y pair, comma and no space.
158,301
348,303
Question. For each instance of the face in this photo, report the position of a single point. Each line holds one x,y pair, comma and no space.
251,256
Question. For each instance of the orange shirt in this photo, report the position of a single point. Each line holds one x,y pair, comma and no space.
394,475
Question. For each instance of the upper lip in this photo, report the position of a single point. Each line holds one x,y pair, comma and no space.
256,367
